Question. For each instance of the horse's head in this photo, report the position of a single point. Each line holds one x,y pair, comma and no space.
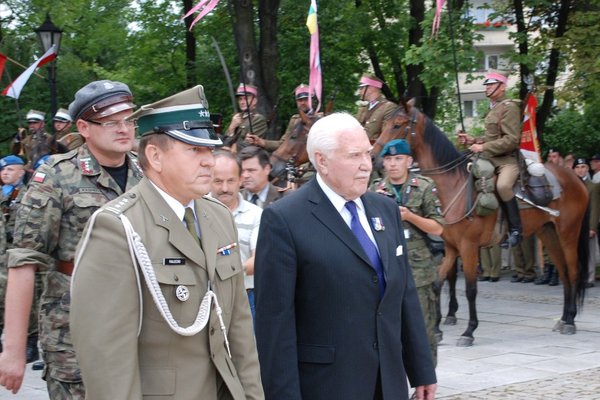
293,148
402,124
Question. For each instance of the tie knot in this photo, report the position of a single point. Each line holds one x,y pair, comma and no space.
351,206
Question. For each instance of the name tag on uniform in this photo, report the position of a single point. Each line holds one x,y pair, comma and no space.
399,251
173,261
407,234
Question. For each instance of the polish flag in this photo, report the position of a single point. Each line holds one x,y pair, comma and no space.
14,89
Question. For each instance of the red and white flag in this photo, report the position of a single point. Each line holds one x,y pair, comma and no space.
14,89
530,145
2,62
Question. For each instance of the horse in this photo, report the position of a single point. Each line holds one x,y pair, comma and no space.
565,236
291,154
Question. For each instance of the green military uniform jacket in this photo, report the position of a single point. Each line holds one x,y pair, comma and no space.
259,128
419,195
61,197
125,348
502,133
373,119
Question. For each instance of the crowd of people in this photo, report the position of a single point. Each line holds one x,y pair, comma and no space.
180,270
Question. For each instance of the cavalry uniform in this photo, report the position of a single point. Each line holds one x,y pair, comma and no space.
373,115
501,143
259,128
62,196
418,194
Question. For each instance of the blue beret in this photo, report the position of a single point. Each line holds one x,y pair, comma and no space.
11,160
396,147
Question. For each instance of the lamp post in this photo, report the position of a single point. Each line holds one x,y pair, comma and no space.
49,35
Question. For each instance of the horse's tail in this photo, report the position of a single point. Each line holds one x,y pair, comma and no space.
583,254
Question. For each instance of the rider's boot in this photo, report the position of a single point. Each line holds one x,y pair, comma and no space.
515,231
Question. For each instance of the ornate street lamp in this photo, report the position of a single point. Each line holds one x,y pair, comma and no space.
48,35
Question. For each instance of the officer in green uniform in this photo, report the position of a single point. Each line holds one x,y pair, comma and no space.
157,334
500,145
373,108
421,215
62,195
12,171
247,125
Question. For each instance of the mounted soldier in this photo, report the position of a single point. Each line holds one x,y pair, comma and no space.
373,108
246,125
500,144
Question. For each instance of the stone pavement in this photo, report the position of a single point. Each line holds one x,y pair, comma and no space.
515,355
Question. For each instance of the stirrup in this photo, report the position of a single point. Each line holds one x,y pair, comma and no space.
513,239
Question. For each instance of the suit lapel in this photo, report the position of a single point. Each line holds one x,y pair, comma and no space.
325,212
164,216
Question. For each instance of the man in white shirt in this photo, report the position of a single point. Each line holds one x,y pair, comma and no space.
225,187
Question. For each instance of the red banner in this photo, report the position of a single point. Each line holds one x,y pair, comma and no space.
530,146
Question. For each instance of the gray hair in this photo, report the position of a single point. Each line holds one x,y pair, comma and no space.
324,135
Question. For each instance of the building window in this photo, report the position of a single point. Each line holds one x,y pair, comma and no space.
491,61
469,108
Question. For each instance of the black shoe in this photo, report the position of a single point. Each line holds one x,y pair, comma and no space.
483,278
513,239
516,279
494,279
545,278
527,280
31,352
38,366
589,285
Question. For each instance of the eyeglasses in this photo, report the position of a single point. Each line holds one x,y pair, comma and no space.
113,124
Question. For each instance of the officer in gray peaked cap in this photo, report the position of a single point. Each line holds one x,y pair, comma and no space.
62,195
192,304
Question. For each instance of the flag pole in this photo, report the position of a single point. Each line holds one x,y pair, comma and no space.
22,66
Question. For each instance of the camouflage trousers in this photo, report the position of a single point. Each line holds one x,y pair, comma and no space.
62,373
429,306
35,306
60,383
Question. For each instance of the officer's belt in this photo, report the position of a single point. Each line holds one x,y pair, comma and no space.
65,267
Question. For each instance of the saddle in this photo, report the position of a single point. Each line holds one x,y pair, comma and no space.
535,185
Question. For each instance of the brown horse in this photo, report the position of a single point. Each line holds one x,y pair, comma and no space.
292,151
565,237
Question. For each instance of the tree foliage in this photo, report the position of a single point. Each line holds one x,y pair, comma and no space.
147,45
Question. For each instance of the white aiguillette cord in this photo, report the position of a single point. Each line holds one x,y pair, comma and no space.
138,252
135,243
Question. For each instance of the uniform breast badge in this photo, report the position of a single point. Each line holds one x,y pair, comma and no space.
182,293
226,250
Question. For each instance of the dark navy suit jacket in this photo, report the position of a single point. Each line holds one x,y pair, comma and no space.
322,330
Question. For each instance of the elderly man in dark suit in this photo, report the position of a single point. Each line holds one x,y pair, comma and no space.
337,312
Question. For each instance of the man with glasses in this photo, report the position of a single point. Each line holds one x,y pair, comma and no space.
62,195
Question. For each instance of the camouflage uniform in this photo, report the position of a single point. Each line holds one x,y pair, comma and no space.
9,209
62,196
259,128
418,194
372,120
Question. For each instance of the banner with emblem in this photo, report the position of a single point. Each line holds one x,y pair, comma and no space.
530,146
